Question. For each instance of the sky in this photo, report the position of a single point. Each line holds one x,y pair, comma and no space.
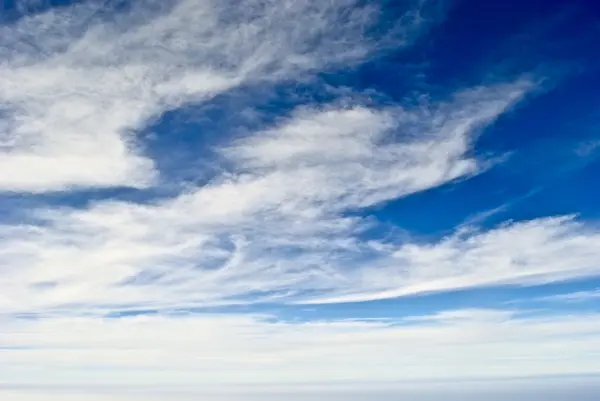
299,199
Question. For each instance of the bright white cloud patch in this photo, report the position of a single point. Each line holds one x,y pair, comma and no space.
285,220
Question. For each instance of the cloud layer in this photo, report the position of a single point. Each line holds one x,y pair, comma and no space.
231,349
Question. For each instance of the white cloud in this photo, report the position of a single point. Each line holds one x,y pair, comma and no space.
272,226
76,83
577,296
521,253
217,350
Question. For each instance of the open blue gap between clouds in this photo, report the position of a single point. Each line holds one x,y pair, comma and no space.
547,170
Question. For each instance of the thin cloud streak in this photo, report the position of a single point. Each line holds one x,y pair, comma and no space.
577,296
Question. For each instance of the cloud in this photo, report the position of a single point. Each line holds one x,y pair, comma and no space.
116,291
233,349
577,296
521,253
78,82
274,225
587,148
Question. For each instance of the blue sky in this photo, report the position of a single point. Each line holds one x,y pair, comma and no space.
284,192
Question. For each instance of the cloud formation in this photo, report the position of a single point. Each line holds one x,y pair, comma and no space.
275,225
76,83
119,289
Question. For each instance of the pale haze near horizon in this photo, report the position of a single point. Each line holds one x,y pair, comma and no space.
533,389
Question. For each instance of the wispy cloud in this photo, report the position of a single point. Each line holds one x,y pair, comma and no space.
77,82
577,296
524,253
275,224
587,148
